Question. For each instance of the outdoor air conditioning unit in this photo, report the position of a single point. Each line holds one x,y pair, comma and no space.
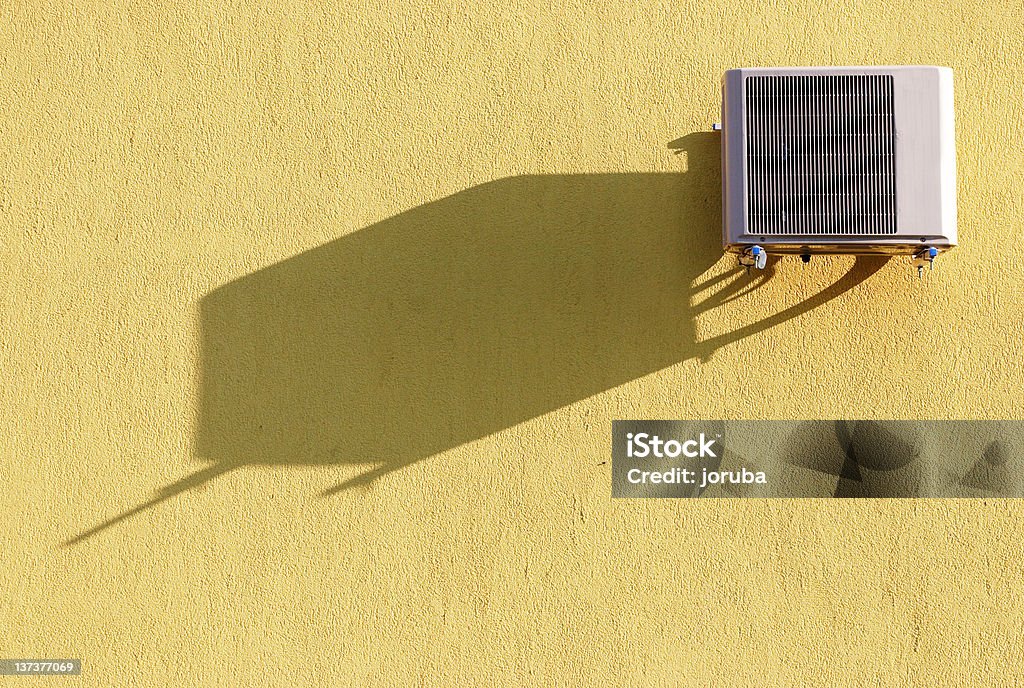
838,160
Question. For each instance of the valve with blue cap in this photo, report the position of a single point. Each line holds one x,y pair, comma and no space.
925,255
754,256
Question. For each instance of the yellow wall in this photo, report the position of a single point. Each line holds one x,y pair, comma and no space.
254,251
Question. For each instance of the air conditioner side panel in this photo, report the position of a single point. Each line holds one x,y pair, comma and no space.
947,137
734,154
925,153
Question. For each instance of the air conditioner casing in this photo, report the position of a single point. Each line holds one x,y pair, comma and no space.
838,159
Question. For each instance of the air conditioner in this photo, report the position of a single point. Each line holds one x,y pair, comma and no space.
838,160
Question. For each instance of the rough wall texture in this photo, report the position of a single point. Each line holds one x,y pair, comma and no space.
348,297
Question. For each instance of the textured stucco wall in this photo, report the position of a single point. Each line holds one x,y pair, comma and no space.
180,183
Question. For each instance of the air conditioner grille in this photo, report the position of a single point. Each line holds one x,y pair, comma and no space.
821,154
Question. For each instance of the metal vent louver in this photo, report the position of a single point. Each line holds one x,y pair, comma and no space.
821,154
